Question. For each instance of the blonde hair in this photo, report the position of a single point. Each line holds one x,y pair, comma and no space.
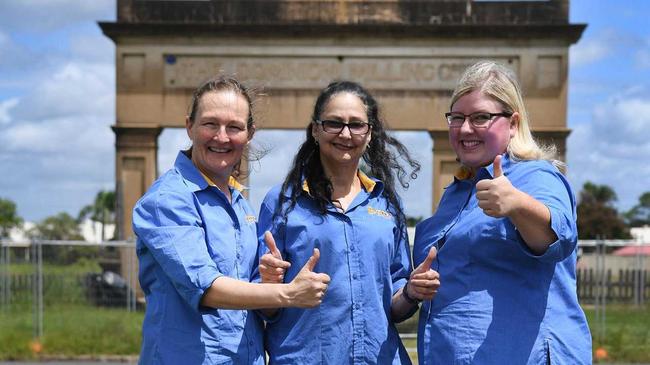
500,83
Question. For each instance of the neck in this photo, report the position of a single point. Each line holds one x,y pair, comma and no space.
344,179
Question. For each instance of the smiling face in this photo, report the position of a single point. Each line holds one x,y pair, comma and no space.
219,134
343,148
477,147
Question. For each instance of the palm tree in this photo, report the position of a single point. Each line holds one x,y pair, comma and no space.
102,210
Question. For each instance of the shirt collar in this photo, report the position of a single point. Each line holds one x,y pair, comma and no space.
368,183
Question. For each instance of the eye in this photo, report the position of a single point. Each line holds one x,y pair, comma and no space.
332,124
481,118
357,125
457,118
236,128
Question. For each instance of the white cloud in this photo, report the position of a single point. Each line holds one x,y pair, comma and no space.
44,16
74,89
5,108
613,148
587,52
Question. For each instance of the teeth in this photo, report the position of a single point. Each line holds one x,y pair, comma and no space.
470,143
218,150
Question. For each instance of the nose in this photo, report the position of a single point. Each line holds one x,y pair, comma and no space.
466,126
221,135
345,132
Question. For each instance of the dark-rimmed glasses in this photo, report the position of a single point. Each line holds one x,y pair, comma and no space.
477,120
336,126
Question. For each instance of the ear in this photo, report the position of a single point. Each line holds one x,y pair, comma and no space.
251,133
514,124
313,131
188,127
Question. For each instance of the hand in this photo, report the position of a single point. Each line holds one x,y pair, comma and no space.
308,288
272,267
497,197
424,281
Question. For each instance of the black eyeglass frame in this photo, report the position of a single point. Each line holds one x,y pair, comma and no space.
343,125
471,118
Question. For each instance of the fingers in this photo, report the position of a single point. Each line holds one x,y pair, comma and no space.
313,260
497,171
273,262
270,244
426,264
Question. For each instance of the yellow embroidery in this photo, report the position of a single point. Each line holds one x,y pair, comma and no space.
251,219
379,212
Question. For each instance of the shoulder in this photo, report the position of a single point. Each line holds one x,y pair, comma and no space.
168,191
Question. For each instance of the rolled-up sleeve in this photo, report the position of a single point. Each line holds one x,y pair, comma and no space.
169,227
550,188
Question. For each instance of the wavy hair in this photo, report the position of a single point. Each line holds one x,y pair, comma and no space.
381,159
500,83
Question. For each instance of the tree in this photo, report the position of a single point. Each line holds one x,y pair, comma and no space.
639,215
597,216
8,217
57,227
61,227
102,210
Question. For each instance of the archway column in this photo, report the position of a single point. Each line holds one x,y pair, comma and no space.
136,166
444,164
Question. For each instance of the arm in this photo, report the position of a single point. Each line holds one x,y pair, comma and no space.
306,290
498,198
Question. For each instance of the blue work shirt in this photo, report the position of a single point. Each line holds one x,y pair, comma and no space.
365,252
189,234
498,302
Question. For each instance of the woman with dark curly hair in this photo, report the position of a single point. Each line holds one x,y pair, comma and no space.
357,222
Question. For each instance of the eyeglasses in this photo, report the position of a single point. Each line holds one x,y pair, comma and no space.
477,120
336,127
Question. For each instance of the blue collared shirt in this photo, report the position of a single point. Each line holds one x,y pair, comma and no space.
498,302
189,234
365,251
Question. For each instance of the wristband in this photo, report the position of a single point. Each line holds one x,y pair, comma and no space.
407,297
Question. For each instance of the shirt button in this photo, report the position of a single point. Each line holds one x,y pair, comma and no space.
354,276
238,256
251,342
357,306
351,248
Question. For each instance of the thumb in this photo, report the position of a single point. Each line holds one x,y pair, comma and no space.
270,243
313,260
426,264
497,171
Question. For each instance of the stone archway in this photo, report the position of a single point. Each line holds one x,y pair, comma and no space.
409,53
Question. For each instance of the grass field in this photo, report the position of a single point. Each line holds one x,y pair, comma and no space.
72,327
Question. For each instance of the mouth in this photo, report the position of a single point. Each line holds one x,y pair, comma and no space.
344,147
470,144
219,150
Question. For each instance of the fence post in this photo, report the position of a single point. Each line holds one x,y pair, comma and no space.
4,263
37,246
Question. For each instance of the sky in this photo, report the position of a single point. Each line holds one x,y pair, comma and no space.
57,103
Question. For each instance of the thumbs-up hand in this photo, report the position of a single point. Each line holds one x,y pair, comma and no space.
424,281
497,197
272,267
308,288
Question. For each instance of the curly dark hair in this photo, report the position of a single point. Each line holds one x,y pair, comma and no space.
382,162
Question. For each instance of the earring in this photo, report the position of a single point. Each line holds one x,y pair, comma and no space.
316,142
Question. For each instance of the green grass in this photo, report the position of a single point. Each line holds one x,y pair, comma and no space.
627,333
71,331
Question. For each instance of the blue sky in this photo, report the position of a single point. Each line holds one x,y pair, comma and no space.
57,104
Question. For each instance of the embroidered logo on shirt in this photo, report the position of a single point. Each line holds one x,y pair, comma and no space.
379,212
251,219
